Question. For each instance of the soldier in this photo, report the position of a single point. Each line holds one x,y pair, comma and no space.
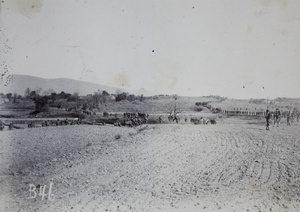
160,119
277,117
1,125
10,126
268,115
139,120
30,125
288,116
170,117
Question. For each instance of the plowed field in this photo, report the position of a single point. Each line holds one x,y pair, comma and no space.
169,167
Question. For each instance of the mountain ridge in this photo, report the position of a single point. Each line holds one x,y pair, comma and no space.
19,83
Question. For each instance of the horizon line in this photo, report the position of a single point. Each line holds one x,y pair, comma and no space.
147,91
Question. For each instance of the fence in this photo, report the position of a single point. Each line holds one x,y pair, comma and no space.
244,112
257,113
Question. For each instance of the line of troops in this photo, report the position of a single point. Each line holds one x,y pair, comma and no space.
58,122
45,123
194,120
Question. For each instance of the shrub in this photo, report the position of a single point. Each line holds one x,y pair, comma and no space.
118,136
212,121
198,108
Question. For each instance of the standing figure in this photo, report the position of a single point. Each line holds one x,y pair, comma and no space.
160,119
268,115
1,125
288,116
176,118
277,117
170,118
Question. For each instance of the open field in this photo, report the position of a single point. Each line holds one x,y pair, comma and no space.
169,167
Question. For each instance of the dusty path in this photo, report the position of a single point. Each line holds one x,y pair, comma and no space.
161,168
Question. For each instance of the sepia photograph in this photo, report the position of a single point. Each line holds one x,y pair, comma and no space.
149,105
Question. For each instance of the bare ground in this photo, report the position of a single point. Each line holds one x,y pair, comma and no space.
225,167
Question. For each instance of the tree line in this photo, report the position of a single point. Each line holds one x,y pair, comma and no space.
71,102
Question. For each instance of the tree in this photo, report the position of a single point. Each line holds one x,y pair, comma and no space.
131,97
141,97
173,109
9,96
76,95
41,103
97,99
27,93
53,96
106,96
33,94
38,91
15,97
72,98
105,93
121,96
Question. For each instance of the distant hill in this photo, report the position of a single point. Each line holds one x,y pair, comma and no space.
21,82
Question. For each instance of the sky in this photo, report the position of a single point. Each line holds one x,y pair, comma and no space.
233,48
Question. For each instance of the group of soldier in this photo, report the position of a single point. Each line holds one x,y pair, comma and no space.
202,121
132,119
58,122
194,120
131,122
61,122
135,115
174,118
3,124
277,117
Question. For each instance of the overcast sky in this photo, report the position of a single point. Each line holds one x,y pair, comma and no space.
233,48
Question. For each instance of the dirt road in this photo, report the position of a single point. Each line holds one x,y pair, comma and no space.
227,167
